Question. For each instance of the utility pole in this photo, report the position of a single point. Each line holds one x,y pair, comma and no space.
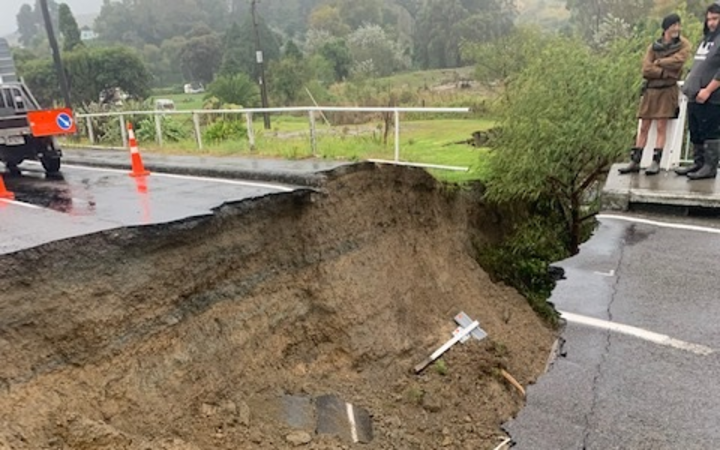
56,53
261,66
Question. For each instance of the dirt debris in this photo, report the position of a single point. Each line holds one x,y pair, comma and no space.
186,335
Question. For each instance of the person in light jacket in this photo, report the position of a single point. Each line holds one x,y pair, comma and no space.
662,68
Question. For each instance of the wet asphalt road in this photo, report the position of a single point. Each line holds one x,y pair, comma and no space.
85,200
616,391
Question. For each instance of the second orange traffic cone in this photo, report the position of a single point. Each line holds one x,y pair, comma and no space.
4,193
138,169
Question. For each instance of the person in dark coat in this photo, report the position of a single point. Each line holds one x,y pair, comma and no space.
662,68
702,88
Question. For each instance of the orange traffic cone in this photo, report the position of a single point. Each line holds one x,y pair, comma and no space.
4,193
138,169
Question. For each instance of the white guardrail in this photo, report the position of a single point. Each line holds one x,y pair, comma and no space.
310,110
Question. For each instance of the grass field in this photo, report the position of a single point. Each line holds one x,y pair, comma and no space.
425,141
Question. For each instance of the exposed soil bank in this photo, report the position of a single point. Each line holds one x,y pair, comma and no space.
186,336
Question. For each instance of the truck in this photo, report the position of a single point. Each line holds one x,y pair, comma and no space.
20,138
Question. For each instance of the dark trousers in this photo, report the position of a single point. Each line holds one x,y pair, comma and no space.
703,122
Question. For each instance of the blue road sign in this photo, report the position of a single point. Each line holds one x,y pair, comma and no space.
64,121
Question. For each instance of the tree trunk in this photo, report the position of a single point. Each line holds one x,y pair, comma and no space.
575,223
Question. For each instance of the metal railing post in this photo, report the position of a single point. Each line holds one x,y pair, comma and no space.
250,131
123,131
198,137
313,133
158,130
91,131
397,136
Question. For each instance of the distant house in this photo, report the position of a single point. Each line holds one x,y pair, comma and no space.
87,34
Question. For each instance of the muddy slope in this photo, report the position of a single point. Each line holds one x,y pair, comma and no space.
185,336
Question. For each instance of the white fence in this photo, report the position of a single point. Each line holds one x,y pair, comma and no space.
248,113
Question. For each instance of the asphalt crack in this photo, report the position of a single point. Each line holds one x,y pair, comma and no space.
606,352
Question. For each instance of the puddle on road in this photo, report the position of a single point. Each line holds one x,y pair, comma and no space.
634,236
52,192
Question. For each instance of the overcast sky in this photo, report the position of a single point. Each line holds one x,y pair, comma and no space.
11,7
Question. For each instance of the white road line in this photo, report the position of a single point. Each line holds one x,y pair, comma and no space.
606,274
23,204
276,187
660,339
226,181
353,425
677,226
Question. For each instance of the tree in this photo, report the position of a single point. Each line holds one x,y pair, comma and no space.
27,25
201,57
289,76
232,60
246,49
68,28
505,58
588,15
292,51
327,18
373,53
358,13
235,89
91,71
567,118
444,25
337,53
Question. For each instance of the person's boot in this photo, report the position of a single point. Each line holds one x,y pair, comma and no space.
634,166
709,169
698,160
654,168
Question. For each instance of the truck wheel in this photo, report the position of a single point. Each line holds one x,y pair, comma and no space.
51,164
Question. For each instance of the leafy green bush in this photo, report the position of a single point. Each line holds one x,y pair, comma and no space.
522,260
172,131
225,130
237,89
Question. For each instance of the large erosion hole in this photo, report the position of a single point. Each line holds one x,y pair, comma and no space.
187,335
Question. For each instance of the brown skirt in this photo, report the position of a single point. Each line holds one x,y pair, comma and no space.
659,103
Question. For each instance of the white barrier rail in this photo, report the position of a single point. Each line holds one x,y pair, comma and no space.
249,112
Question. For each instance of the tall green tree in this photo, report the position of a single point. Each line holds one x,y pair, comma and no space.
588,16
566,119
69,29
201,57
232,58
246,49
444,25
91,71
374,53
27,25
337,53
